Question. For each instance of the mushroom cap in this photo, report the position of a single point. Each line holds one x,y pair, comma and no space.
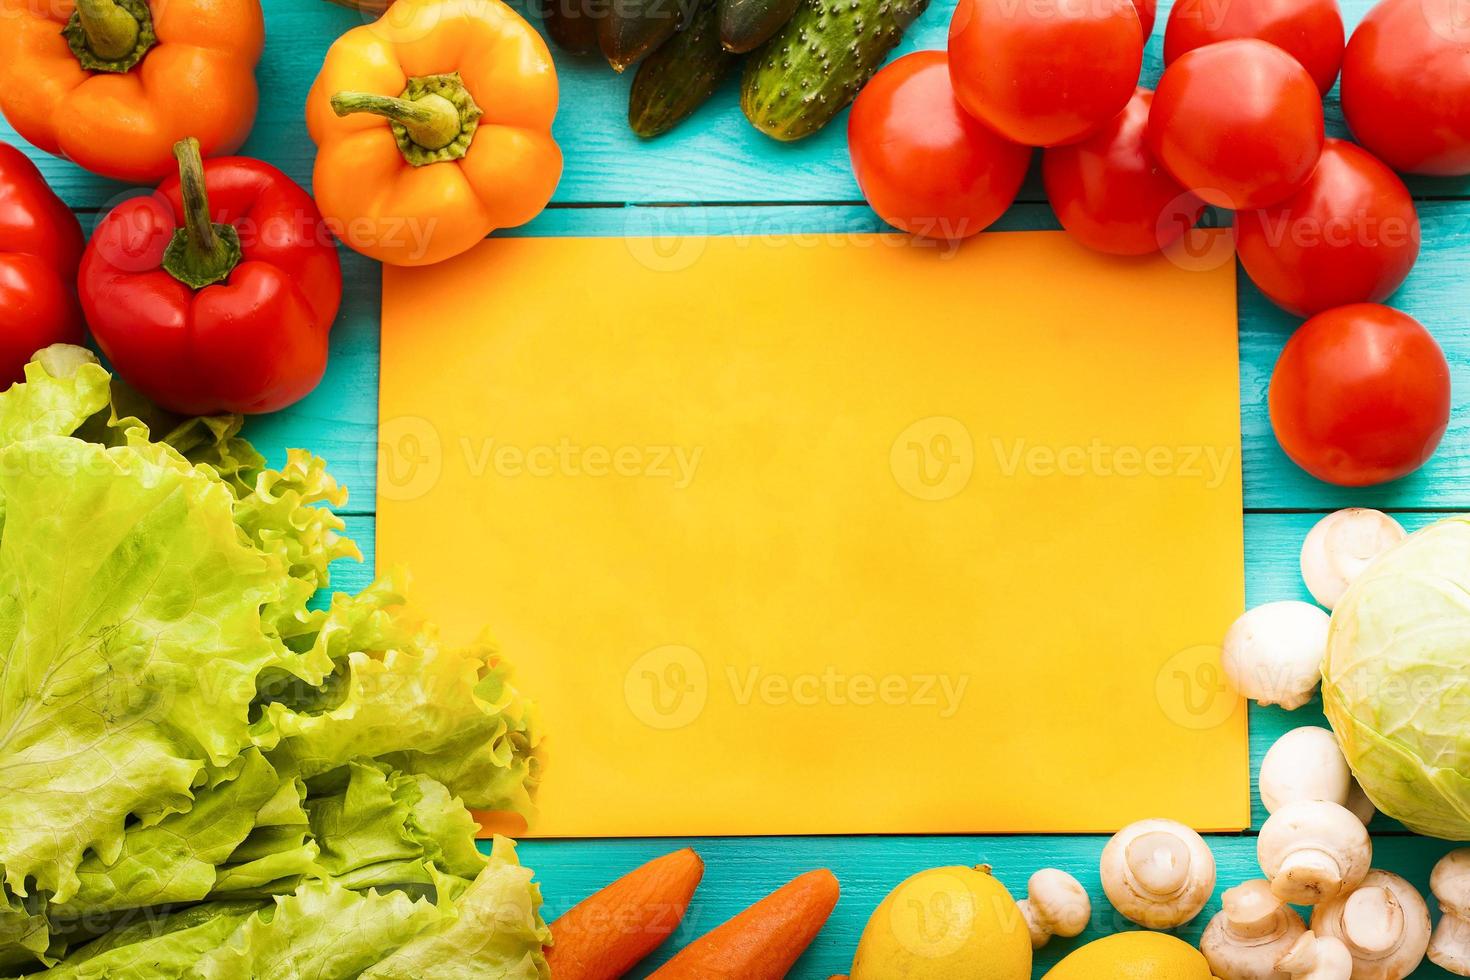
1273,653
1320,957
1304,764
1450,882
1341,546
1158,873
1384,923
1313,851
1059,901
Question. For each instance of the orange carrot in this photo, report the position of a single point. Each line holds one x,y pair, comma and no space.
606,934
762,942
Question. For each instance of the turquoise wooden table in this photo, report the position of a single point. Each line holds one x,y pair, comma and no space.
717,175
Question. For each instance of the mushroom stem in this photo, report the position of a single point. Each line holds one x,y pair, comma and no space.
1251,933
1384,924
1316,957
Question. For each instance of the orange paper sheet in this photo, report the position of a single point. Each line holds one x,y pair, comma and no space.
847,535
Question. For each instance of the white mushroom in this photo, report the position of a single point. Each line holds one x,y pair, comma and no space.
1384,924
1273,654
1317,957
1158,873
1450,882
1341,546
1254,930
1313,851
1359,804
1304,764
1056,904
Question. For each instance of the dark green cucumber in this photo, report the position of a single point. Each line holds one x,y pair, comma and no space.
628,30
746,24
815,65
572,24
680,75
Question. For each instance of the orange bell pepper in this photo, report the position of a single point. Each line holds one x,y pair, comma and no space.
433,128
114,84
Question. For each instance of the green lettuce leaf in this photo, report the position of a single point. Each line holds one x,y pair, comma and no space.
176,860
445,712
130,642
496,934
159,946
385,828
53,404
322,932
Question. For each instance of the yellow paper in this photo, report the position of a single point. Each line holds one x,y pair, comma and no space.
848,535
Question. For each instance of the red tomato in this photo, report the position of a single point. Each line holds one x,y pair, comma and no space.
1406,85
1237,122
1351,235
1110,193
1309,30
1045,72
1361,395
923,163
1148,12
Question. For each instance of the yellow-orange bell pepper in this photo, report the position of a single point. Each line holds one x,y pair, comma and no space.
433,128
114,84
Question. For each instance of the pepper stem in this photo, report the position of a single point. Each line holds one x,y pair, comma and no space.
110,35
202,252
433,120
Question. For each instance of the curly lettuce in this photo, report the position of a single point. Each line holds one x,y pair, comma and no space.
205,771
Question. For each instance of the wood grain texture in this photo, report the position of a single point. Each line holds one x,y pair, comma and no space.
714,156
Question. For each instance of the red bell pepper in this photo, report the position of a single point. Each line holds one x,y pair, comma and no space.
40,245
217,293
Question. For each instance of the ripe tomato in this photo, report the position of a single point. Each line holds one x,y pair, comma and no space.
1351,235
1406,85
923,163
1111,194
1148,12
1237,122
1045,72
1361,395
1309,30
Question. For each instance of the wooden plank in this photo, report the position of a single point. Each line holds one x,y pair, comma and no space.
715,156
339,420
740,871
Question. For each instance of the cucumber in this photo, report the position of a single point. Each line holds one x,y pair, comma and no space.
680,75
746,24
630,29
815,65
572,24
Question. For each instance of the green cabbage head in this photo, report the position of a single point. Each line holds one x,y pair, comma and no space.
1396,681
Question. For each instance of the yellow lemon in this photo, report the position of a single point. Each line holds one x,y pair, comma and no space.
944,924
1133,956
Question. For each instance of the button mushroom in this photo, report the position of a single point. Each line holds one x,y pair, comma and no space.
1251,934
1304,764
1056,904
1158,873
1450,882
1359,803
1317,957
1384,924
1341,546
1313,850
1273,654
